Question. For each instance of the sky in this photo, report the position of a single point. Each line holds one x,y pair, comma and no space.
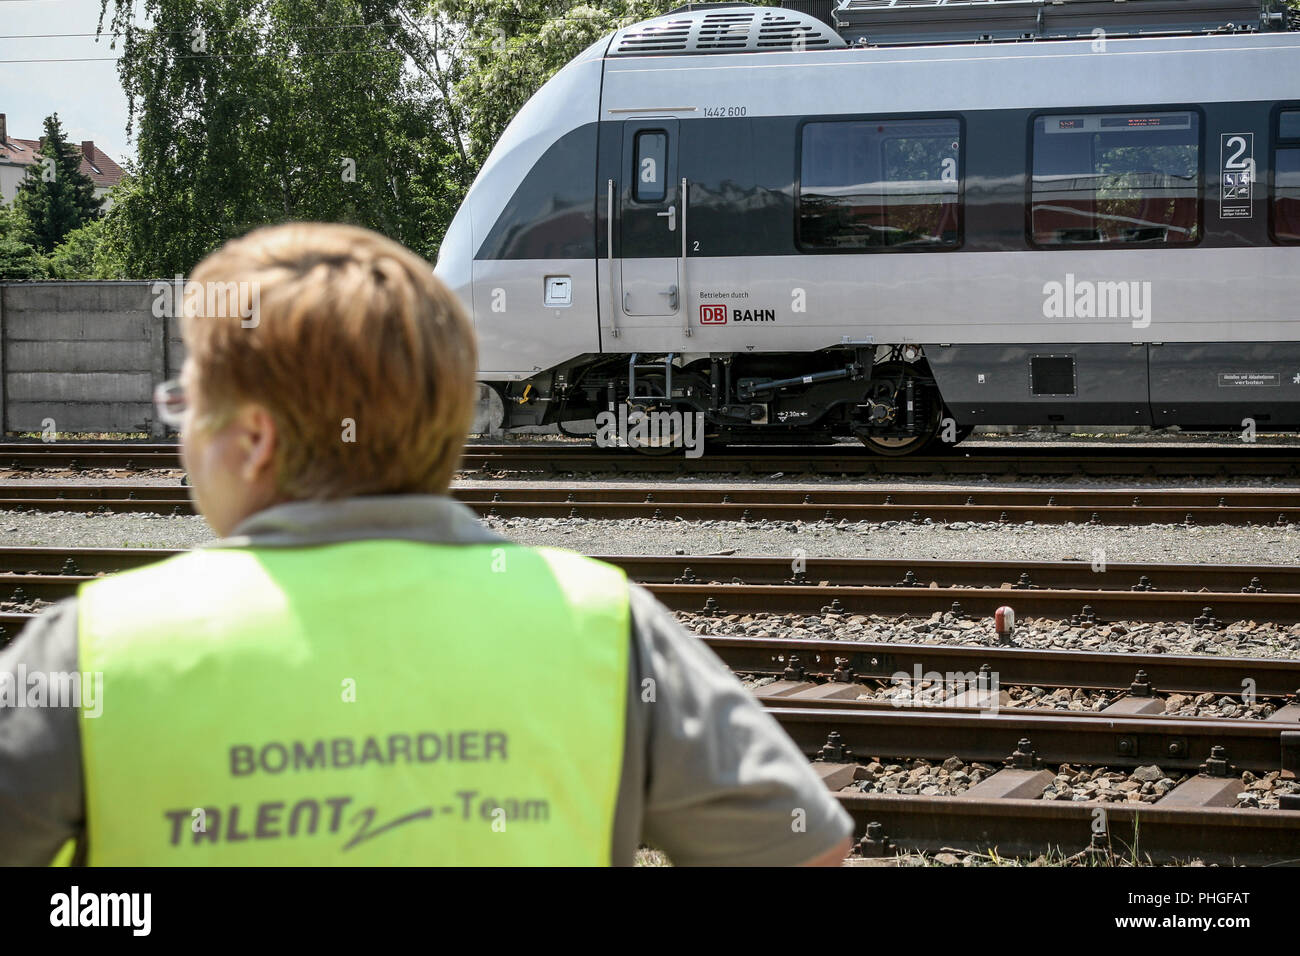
87,95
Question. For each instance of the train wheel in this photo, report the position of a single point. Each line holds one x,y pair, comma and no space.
938,446
896,447
656,448
667,435
932,408
666,445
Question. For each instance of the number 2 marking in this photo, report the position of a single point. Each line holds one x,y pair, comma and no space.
1235,161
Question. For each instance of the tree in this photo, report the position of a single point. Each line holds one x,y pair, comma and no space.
376,112
19,259
111,241
251,112
56,197
85,254
502,51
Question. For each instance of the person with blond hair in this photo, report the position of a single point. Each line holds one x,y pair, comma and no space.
357,671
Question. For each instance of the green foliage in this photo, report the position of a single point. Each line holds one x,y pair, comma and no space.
83,254
110,257
502,52
249,112
55,197
19,259
376,112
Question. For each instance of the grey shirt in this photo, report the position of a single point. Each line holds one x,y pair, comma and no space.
708,776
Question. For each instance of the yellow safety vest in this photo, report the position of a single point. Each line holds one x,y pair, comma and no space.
367,703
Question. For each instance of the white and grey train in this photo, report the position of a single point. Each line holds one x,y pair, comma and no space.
1008,212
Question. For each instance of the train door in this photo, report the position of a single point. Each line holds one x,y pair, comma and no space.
649,223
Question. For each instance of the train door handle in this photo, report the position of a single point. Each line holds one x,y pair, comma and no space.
672,218
672,297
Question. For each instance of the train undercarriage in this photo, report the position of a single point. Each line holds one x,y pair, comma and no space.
885,397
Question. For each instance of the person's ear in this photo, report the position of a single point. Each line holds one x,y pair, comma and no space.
257,440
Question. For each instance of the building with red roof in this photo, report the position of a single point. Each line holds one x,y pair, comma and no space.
17,154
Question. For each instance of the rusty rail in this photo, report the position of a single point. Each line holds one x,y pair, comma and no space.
920,506
1015,827
1093,670
741,504
559,457
1261,595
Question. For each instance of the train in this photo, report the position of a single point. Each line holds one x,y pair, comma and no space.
899,223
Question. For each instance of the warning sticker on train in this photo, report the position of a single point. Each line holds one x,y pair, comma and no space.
1236,175
1239,379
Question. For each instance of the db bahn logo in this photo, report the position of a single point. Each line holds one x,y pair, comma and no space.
713,315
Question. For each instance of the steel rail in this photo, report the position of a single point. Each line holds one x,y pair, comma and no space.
833,572
1193,508
659,492
924,573
1209,609
1087,606
847,460
1054,737
1019,828
1092,670
670,509
169,501
553,457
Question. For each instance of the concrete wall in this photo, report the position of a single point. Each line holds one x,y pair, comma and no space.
85,354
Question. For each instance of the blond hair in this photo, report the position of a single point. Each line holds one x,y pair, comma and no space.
338,323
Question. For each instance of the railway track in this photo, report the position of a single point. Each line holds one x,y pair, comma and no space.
761,461
847,460
1208,596
818,698
1011,826
1189,508
1011,811
778,504
818,661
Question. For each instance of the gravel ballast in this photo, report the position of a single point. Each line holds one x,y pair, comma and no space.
956,541
1247,639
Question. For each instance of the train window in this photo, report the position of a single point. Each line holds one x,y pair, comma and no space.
651,157
1115,179
1286,195
879,184
1286,178
1288,124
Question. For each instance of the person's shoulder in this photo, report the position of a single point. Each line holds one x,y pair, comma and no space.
40,746
571,563
48,642
160,577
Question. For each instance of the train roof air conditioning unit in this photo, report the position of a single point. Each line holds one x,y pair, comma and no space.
725,28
